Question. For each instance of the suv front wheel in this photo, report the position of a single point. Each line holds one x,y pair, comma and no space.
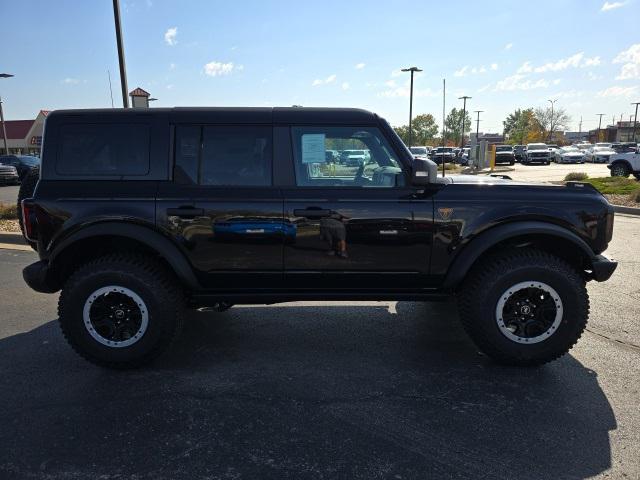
619,169
524,307
121,310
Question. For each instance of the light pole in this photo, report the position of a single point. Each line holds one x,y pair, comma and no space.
551,121
412,70
477,152
599,125
464,116
4,129
635,121
123,68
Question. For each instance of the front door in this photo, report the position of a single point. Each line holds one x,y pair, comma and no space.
222,208
357,225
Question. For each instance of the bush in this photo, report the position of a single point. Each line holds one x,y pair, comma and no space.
576,177
8,212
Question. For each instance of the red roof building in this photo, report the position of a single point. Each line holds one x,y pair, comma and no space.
24,136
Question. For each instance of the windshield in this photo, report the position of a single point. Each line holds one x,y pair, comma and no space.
444,149
537,146
503,148
418,150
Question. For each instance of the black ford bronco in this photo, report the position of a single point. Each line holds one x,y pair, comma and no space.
139,215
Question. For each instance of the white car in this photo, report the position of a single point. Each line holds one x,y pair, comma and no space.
599,154
583,146
623,164
569,155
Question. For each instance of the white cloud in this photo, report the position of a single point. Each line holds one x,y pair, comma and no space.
484,88
567,94
462,72
520,82
397,73
170,36
631,60
360,66
172,66
70,81
345,86
170,86
612,5
617,91
494,66
508,46
219,69
326,81
557,81
390,83
577,60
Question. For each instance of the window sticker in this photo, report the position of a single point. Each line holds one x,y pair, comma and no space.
313,148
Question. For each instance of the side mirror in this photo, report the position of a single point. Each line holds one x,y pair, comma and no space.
424,172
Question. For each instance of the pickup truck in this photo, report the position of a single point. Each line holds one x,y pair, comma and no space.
139,216
537,153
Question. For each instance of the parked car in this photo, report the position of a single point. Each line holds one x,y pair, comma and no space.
464,157
442,154
9,175
599,154
420,152
519,152
604,145
23,163
569,155
138,251
625,164
624,147
537,153
552,150
354,158
504,154
583,145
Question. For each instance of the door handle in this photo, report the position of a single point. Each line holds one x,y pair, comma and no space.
185,212
311,212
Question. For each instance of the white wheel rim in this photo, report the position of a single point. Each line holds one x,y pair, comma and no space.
91,327
526,310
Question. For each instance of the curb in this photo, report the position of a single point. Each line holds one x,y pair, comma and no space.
12,238
627,210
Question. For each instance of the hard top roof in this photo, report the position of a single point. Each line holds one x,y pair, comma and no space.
252,115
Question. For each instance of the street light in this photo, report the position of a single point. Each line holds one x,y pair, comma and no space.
599,125
551,122
477,152
464,115
635,121
412,70
4,129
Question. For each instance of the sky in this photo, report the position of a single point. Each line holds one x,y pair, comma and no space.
504,54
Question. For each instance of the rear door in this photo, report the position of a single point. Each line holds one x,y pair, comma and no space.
222,207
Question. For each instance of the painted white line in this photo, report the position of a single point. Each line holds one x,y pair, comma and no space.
11,246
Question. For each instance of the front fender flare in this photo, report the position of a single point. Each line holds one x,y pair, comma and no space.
472,251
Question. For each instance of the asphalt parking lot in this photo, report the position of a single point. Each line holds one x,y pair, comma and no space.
323,390
9,193
554,172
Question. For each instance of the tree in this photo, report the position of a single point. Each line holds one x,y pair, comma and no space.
453,125
519,126
424,130
551,120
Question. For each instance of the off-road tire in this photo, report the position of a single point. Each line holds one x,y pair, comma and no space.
619,170
492,276
161,293
27,187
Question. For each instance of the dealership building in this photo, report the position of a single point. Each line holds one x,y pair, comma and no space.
24,136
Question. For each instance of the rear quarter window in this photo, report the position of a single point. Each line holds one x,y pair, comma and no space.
103,150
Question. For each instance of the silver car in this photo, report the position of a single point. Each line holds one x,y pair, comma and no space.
569,155
599,154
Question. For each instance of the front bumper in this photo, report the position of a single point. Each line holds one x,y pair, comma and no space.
602,268
38,277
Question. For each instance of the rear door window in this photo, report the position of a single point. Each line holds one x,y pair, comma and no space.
103,150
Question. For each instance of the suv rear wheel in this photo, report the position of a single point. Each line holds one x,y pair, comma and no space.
121,311
524,307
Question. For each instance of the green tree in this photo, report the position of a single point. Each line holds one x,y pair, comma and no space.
519,126
424,130
453,125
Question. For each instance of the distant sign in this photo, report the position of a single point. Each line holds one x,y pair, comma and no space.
36,140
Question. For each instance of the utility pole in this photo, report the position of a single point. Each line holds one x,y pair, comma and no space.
551,121
599,125
123,68
580,125
444,125
477,139
412,70
464,116
635,121
4,128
